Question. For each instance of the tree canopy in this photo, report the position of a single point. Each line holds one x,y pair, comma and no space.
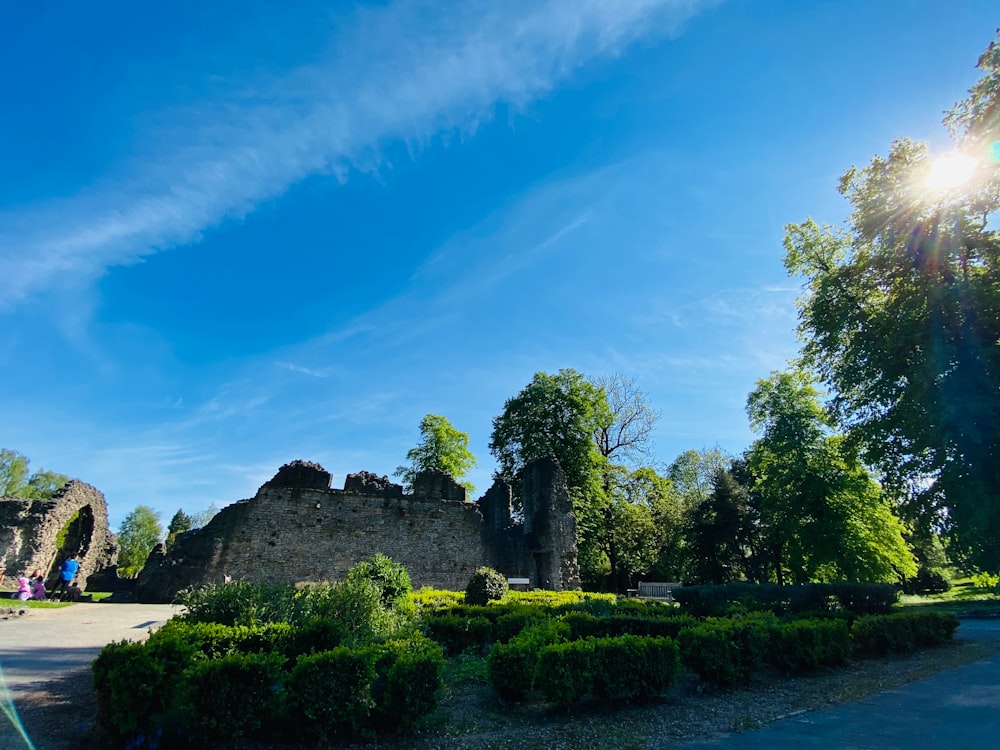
900,318
823,516
441,447
138,533
16,481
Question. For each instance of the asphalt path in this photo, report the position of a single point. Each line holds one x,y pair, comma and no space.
46,643
958,709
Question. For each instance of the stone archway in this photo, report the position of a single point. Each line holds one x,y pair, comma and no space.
42,533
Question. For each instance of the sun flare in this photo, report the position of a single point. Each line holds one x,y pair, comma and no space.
949,172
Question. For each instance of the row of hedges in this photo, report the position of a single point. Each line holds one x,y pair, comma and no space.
473,628
551,659
736,598
195,686
625,668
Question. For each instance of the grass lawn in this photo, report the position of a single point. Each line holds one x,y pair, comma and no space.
964,598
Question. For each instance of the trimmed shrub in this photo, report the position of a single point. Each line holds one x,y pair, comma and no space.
865,598
901,632
587,626
428,599
631,668
331,691
231,697
927,581
804,646
410,672
726,652
127,680
355,604
511,666
486,585
456,634
565,671
317,635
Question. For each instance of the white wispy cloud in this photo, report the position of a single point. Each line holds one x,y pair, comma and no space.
405,72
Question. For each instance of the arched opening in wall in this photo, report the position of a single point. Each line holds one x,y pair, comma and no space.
73,539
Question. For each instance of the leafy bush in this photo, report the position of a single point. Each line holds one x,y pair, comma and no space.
316,635
565,671
409,683
230,697
237,603
355,605
486,585
633,668
456,634
331,691
902,632
736,598
804,646
511,666
927,581
587,626
726,652
127,681
428,599
391,579
985,581
583,599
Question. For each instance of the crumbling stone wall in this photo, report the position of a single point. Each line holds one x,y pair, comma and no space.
30,532
298,529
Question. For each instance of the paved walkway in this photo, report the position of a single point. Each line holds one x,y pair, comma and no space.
958,709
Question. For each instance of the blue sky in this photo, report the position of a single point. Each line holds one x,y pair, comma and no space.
233,234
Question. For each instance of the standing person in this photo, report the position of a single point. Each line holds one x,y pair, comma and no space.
66,575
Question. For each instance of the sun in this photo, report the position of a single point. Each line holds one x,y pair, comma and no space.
949,172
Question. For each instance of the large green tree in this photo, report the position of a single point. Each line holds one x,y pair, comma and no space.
823,515
719,532
441,447
901,319
138,533
17,481
559,415
179,523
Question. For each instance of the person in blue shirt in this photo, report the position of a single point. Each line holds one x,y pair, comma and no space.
67,573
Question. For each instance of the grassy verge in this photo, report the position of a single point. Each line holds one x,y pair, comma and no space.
964,598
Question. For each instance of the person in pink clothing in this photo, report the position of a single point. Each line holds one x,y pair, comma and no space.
37,584
23,590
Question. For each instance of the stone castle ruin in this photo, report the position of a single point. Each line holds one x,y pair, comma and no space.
296,528
42,533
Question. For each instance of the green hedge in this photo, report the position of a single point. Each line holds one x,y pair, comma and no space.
727,652
626,668
583,625
456,634
511,666
806,646
737,598
901,632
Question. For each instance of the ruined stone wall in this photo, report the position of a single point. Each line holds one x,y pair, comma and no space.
297,529
29,531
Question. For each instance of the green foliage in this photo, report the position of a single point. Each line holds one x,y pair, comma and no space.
127,682
630,667
458,634
985,581
583,625
429,599
138,533
356,604
901,318
391,578
486,585
412,672
805,646
879,635
237,603
331,691
180,523
823,516
15,481
725,653
64,531
441,447
714,601
719,531
511,666
231,697
565,671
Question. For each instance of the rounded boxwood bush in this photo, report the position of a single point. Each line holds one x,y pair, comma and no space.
486,585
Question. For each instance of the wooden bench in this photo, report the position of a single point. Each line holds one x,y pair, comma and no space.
519,582
661,592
